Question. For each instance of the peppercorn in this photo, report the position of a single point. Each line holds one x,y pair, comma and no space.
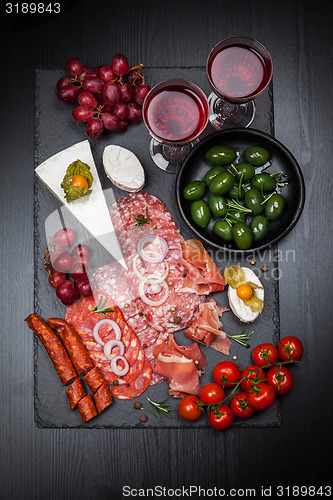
115,382
253,262
143,418
265,268
177,320
137,405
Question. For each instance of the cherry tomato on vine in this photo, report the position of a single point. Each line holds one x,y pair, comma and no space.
263,354
240,405
262,397
221,419
290,349
188,409
281,379
211,393
226,373
253,374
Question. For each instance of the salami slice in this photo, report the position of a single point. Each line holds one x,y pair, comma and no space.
103,397
136,387
87,408
75,393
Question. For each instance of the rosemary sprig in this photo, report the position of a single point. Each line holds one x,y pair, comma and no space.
160,408
142,219
241,338
238,206
100,307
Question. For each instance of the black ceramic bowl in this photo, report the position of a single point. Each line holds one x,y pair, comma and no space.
195,167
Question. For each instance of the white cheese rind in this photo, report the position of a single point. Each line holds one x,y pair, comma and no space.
91,211
242,311
123,168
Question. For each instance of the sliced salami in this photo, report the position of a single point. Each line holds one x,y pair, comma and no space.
136,387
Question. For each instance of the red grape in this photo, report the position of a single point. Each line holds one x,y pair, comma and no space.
83,287
120,109
126,92
134,112
119,64
92,72
83,73
67,292
140,93
67,93
87,100
94,128
79,271
110,93
80,251
133,77
123,125
64,237
81,114
56,278
111,121
83,261
74,66
63,82
106,74
92,84
63,262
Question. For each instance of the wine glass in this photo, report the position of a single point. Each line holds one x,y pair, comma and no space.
175,113
239,70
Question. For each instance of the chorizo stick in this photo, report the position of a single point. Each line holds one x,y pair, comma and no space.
73,344
87,408
54,348
75,392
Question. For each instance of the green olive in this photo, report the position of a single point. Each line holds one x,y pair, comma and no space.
253,199
256,155
274,207
242,235
259,226
217,205
264,182
222,183
223,230
200,213
244,169
194,190
236,192
213,172
220,155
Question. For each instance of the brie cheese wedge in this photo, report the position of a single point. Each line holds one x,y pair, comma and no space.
242,311
91,211
123,168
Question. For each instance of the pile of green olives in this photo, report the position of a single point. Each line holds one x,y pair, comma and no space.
231,194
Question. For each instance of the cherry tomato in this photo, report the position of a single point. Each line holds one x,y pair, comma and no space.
261,397
290,348
79,181
244,292
226,373
188,409
254,374
64,237
221,419
263,354
211,393
281,379
240,405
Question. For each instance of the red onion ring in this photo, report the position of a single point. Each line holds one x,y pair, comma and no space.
120,372
154,288
110,345
102,322
152,238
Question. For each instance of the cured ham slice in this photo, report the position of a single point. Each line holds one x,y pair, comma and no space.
203,276
179,364
208,329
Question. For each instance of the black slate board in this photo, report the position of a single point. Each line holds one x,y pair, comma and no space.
57,130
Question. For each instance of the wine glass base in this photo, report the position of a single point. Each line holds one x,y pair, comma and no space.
169,158
224,114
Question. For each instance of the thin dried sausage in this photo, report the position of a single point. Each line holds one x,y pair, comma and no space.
75,392
87,408
54,348
94,379
103,397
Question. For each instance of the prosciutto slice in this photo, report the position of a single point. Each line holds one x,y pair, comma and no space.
203,276
180,364
208,329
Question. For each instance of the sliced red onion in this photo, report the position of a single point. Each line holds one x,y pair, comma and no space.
152,238
154,288
150,278
110,345
119,371
102,322
149,302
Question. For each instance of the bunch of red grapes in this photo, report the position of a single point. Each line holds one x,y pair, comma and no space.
109,97
68,271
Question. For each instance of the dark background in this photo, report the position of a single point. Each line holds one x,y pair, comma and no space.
60,464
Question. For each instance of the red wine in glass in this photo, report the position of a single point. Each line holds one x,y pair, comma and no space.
238,69
175,112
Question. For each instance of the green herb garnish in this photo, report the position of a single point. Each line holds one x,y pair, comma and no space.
100,307
160,408
142,219
241,338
